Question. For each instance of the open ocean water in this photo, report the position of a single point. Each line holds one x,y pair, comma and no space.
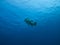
14,31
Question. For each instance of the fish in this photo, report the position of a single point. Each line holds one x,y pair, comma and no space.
30,22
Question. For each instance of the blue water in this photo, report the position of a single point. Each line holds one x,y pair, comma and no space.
14,31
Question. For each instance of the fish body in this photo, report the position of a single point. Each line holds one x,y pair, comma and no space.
30,22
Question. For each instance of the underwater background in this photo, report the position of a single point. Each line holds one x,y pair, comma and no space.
14,31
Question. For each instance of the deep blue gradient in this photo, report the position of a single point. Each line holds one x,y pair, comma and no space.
14,31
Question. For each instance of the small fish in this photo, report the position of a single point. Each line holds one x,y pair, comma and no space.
30,22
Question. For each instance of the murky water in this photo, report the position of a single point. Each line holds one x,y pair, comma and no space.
14,31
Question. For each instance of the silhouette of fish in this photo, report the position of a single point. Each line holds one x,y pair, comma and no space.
30,22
